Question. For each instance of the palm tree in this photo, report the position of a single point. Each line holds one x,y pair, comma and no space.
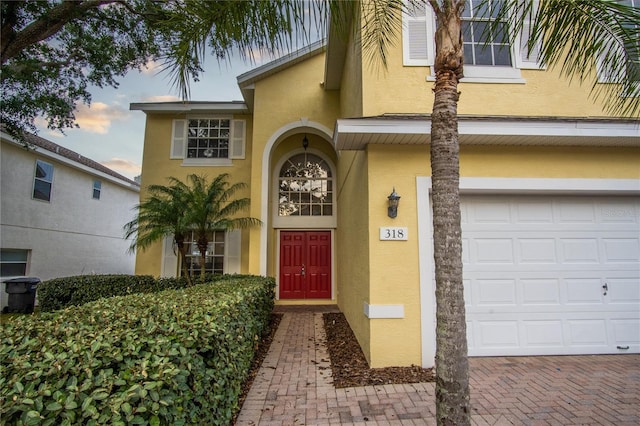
161,215
211,206
580,30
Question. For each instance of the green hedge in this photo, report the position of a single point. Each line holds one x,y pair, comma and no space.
60,293
175,357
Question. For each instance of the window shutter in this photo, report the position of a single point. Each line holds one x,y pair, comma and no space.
418,29
237,139
178,139
529,60
233,251
169,267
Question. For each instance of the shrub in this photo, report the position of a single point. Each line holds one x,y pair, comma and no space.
175,357
60,293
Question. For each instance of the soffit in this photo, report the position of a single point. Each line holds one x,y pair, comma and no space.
357,133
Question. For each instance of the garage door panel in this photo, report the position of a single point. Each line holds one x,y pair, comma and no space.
493,250
543,333
537,250
626,332
497,334
552,275
583,291
625,291
589,332
579,250
495,292
576,211
542,291
621,250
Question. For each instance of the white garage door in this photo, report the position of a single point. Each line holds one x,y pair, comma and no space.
551,275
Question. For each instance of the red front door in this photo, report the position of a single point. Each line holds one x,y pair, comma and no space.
305,265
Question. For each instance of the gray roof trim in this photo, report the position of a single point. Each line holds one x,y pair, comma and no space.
415,129
229,107
57,152
281,63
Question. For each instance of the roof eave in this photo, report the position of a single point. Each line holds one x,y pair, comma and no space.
356,134
232,107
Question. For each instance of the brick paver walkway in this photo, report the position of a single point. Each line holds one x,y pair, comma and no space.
294,387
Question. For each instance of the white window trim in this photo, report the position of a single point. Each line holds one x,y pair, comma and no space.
179,138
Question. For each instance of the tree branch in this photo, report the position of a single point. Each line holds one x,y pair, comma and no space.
44,27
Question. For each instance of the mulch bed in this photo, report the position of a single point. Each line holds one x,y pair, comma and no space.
350,367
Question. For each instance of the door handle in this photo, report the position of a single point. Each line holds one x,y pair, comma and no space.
303,271
605,287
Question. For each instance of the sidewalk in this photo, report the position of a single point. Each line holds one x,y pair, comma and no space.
294,387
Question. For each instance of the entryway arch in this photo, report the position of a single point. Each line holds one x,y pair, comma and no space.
302,214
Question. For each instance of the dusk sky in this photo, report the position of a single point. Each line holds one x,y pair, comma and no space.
112,135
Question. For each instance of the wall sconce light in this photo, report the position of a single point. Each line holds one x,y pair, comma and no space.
394,200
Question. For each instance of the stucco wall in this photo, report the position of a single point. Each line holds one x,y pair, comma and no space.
73,234
351,85
353,252
550,162
394,264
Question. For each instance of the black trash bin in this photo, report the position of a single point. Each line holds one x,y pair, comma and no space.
22,294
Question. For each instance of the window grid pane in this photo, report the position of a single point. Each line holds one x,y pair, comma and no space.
208,138
305,187
482,46
214,257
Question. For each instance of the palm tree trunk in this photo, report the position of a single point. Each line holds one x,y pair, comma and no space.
179,240
203,244
452,368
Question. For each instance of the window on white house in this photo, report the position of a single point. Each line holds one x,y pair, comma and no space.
97,188
206,141
43,181
214,257
13,262
305,187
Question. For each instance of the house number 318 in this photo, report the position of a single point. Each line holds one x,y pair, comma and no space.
394,233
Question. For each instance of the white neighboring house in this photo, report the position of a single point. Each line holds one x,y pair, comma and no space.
61,214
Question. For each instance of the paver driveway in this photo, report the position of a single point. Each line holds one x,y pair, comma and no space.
294,387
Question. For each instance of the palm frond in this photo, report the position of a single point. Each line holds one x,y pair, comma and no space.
587,39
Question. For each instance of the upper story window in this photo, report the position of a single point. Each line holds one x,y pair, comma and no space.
488,57
209,141
43,181
481,46
97,188
208,138
305,187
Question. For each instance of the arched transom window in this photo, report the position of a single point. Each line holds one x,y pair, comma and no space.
305,187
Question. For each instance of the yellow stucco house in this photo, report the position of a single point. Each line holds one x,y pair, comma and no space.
550,190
